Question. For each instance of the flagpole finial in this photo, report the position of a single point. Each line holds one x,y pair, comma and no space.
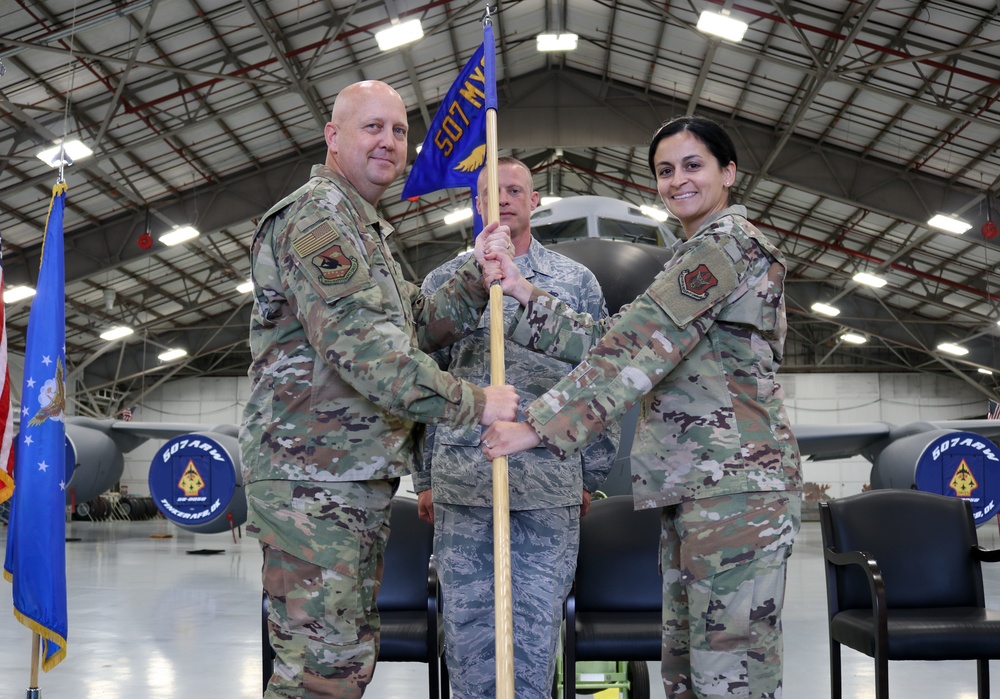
488,14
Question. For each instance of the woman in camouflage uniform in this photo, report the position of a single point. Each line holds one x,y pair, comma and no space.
700,348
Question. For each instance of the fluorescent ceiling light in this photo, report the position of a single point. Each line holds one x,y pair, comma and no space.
171,354
398,34
556,42
654,213
17,293
116,333
952,348
722,26
64,153
825,309
246,287
949,224
984,371
870,280
854,338
179,235
545,201
457,216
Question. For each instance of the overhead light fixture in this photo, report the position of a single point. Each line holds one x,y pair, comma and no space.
116,333
458,216
984,371
556,42
952,348
171,354
871,280
64,153
545,201
179,235
654,213
17,293
399,33
245,288
854,338
825,309
722,25
949,224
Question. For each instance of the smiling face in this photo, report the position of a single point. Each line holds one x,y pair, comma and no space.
690,180
366,137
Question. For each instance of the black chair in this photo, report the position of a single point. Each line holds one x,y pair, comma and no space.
408,601
904,582
614,611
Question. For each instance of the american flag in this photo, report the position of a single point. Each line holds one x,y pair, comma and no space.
127,414
994,411
6,416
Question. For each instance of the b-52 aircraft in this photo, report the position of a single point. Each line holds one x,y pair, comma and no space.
195,477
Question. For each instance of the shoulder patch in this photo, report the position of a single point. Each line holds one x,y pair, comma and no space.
697,282
317,246
699,279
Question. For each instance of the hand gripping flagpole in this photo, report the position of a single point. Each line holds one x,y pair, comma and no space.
504,615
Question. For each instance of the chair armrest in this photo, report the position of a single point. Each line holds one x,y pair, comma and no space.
986,555
433,607
876,586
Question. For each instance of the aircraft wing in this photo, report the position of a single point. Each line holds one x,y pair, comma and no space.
822,442
166,430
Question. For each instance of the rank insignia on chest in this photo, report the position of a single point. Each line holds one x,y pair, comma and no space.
697,282
334,265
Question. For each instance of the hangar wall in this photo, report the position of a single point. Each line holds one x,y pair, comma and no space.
818,399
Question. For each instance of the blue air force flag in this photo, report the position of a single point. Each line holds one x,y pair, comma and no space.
35,560
454,149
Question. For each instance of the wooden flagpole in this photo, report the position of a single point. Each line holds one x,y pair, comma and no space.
36,642
503,611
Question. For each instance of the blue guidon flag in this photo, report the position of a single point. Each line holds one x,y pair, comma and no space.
454,150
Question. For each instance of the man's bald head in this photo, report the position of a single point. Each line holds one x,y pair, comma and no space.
366,137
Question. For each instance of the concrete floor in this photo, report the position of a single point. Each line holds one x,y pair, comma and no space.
150,620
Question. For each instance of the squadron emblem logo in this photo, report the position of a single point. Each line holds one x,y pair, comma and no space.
698,282
334,266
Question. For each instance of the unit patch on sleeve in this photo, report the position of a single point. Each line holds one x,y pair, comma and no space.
701,278
319,248
697,282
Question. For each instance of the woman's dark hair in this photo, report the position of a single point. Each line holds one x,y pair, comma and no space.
705,130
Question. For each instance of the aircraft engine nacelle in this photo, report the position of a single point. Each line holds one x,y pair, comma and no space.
946,462
94,463
196,481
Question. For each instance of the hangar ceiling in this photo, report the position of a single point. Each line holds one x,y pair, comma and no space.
855,123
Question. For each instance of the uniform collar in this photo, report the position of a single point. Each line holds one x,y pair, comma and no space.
734,210
365,212
535,261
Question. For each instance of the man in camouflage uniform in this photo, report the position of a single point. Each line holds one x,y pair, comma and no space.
338,380
547,495
700,348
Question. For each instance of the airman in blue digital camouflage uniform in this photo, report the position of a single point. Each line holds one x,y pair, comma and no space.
338,380
547,495
714,449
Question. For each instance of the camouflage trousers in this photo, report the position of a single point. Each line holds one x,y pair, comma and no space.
722,624
323,624
544,546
